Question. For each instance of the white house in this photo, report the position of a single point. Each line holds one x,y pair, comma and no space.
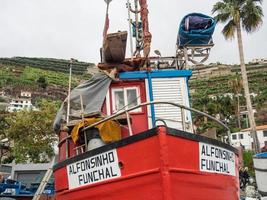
24,102
244,137
19,104
2,93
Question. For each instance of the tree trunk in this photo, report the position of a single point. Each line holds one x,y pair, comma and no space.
238,112
252,123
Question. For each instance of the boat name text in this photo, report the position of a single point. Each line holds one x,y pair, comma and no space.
94,169
215,159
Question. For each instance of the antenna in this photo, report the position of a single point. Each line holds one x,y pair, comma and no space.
128,5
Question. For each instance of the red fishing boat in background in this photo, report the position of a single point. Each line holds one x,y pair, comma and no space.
128,134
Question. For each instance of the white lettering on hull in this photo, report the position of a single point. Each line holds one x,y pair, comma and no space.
94,169
215,159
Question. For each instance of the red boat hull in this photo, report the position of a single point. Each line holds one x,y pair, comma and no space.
159,164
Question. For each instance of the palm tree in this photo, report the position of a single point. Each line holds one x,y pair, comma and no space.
237,14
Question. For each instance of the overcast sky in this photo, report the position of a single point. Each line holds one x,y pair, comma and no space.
73,28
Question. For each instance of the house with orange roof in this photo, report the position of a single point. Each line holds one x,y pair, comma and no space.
243,138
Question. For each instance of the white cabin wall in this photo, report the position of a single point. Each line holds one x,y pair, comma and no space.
171,90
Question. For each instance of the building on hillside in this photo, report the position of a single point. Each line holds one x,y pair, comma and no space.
243,138
25,94
259,60
2,93
20,103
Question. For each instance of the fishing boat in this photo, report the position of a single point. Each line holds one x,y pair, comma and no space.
128,134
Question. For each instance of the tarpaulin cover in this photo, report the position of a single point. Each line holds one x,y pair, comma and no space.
109,131
196,29
93,93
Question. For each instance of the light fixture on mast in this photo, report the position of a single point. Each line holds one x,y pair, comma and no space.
107,1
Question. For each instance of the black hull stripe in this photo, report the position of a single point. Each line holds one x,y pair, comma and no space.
142,136
260,170
199,138
107,147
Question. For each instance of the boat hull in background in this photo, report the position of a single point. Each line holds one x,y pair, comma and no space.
260,166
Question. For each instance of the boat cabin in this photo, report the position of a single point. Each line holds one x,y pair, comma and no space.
137,87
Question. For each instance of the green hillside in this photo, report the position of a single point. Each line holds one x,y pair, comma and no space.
28,76
216,95
44,77
52,64
215,85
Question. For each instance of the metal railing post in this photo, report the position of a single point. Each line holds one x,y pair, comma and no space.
67,147
183,118
129,123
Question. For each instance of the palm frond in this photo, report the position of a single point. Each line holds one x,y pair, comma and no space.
222,17
251,16
229,30
222,11
219,6
258,1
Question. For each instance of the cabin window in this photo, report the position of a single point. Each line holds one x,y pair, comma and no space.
124,98
241,136
265,133
119,100
234,137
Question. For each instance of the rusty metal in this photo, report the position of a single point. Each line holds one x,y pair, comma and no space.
114,47
147,34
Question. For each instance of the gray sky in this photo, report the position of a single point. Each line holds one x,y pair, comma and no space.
73,28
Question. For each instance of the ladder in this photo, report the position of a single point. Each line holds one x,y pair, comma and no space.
44,181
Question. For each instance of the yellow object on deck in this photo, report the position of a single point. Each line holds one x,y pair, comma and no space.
109,131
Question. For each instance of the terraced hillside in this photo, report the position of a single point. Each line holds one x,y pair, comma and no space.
219,84
214,91
52,64
44,77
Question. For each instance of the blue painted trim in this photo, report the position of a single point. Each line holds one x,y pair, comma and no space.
188,91
151,98
155,74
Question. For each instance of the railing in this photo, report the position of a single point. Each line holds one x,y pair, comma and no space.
126,111
157,102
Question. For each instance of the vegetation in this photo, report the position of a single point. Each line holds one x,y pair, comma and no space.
31,133
223,97
51,64
248,162
29,76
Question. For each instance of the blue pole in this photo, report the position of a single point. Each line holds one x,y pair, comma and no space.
151,98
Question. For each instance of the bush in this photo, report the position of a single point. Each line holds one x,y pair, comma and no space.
248,162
